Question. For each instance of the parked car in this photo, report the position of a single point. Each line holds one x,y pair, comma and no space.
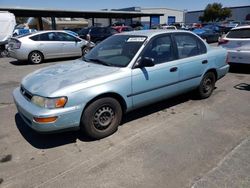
226,27
208,35
22,31
170,27
120,29
237,43
97,34
72,32
126,71
42,45
7,22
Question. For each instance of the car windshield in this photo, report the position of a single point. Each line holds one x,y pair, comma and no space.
239,33
117,50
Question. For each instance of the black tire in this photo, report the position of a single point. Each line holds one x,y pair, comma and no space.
85,50
35,57
101,118
206,86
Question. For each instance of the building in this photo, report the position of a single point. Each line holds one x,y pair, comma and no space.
61,23
239,14
169,17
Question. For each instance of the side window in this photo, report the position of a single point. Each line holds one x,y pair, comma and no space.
35,38
188,45
65,37
160,49
44,37
52,37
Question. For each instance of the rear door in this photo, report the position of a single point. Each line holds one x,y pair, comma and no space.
193,60
49,46
71,46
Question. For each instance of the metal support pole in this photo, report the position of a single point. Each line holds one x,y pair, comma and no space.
53,23
40,23
93,22
110,21
150,23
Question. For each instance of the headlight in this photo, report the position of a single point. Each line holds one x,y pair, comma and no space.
49,103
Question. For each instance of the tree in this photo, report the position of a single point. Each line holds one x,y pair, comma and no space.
214,12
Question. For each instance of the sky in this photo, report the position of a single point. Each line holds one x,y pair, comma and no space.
189,5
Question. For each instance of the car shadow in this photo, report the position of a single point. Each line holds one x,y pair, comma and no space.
240,68
46,141
159,106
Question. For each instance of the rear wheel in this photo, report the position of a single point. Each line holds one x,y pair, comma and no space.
101,118
206,86
35,57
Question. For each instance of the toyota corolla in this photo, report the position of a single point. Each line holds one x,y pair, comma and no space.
124,72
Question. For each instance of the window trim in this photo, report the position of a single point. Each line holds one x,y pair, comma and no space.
199,44
150,41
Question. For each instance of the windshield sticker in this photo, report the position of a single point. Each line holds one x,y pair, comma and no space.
136,39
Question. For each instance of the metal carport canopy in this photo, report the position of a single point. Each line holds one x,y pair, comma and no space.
33,12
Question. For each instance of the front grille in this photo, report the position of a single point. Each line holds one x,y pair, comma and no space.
26,93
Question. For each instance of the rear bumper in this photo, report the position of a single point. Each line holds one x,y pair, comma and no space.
242,57
18,54
222,71
67,117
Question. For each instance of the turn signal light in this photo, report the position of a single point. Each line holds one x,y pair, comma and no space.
45,120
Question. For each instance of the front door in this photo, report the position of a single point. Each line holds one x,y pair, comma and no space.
150,84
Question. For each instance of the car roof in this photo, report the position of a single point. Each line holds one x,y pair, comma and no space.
241,27
152,32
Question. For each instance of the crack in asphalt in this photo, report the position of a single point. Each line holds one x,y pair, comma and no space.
222,161
6,104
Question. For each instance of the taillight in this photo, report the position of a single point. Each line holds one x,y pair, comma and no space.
17,45
222,41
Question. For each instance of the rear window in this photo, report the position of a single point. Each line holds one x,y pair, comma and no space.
239,33
24,35
35,37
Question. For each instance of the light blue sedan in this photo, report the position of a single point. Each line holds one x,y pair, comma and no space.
124,72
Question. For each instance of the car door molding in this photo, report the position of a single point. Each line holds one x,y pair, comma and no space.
160,87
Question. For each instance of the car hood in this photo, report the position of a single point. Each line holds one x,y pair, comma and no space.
51,79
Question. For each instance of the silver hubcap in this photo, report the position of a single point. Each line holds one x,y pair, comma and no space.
36,58
103,117
207,85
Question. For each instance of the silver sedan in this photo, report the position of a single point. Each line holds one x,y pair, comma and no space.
237,43
42,45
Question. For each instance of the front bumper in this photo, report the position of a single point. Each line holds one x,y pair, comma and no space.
68,117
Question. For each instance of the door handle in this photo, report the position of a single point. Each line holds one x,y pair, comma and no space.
204,62
173,69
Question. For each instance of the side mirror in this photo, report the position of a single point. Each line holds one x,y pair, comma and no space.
145,62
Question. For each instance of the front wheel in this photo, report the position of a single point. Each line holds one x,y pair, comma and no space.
206,86
101,118
85,50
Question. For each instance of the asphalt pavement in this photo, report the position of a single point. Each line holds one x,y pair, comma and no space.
179,142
